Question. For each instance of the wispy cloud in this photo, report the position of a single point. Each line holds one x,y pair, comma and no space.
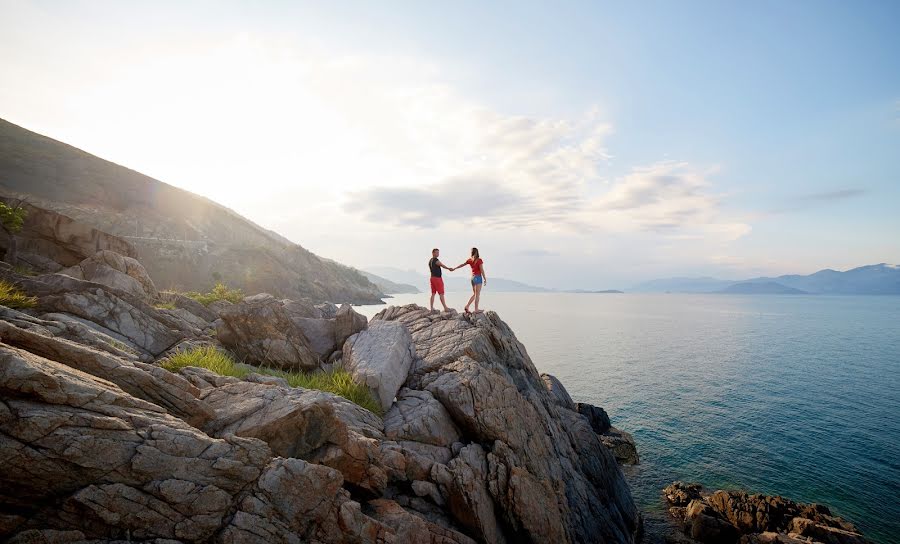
829,196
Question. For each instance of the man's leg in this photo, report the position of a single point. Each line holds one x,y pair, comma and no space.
444,302
431,303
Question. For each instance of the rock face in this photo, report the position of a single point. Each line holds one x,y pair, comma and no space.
50,241
111,311
526,468
260,331
380,357
110,268
729,516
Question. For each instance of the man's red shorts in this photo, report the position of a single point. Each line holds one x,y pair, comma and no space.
437,286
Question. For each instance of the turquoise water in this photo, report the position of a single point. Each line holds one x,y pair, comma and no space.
790,395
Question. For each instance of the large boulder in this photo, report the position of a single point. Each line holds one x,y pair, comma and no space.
260,331
380,358
110,268
533,470
308,424
556,388
418,416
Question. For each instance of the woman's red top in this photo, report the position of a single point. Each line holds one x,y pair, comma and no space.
476,266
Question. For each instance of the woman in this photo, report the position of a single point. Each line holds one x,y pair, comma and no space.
479,278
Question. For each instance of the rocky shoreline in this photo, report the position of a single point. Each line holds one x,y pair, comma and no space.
100,443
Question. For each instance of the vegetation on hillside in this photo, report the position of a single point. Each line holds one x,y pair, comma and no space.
338,382
219,292
11,297
12,218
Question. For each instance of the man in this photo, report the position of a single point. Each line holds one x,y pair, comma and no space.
437,282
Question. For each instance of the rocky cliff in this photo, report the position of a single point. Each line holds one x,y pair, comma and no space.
99,442
187,242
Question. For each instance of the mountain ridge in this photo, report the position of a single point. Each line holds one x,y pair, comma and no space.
873,279
188,241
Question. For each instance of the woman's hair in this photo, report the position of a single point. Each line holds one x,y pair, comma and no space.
475,253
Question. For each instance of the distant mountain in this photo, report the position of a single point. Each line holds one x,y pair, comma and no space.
681,285
876,279
453,281
388,287
184,240
603,292
760,288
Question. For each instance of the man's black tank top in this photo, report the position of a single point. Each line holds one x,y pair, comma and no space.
435,267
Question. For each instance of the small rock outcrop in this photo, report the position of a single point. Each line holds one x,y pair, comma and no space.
734,516
110,268
380,357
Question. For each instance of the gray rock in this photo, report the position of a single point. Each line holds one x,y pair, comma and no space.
546,473
380,358
188,304
260,331
622,446
595,415
109,268
417,416
347,322
319,333
555,387
153,384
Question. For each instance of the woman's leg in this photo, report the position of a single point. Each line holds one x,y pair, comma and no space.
477,296
471,298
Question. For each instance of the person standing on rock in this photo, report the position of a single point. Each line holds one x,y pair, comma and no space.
437,282
479,278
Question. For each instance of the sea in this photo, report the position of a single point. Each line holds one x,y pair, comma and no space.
792,395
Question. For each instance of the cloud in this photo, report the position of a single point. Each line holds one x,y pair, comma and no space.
537,253
828,196
668,198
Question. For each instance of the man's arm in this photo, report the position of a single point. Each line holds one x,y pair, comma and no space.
442,265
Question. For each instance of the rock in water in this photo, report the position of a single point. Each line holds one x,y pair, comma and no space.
380,358
727,516
260,330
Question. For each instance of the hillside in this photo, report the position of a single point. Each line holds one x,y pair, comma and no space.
186,241
389,287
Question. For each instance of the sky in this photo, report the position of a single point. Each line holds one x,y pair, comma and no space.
577,145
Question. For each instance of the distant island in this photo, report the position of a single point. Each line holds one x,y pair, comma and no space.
588,291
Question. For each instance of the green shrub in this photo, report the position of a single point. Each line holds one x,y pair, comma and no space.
339,382
219,292
165,306
11,297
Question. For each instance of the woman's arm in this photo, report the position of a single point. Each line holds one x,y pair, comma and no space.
483,275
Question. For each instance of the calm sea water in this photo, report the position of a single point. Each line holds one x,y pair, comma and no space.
790,395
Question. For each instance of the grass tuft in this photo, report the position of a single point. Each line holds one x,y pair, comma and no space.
165,306
219,292
12,297
338,382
